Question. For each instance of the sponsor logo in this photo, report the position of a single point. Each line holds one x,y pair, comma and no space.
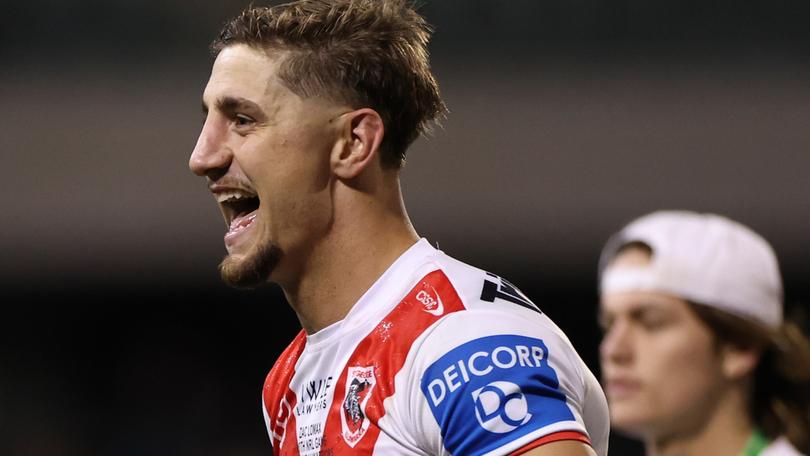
312,396
360,382
498,288
504,381
501,407
482,363
433,306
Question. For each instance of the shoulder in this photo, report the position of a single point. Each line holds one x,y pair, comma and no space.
478,288
474,348
491,312
495,373
491,305
492,381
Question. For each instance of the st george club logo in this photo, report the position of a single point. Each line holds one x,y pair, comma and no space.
360,382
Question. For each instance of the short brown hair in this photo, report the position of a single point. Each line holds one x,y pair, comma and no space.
368,53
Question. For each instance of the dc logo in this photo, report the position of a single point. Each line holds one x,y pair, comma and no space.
501,407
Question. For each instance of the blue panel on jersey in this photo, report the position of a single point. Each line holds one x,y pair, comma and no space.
491,391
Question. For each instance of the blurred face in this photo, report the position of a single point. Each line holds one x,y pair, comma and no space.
661,368
264,152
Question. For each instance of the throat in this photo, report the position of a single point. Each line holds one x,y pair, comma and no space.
325,291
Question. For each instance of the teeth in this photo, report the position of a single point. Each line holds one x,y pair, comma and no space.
233,195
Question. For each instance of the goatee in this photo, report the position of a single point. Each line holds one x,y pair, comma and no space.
251,271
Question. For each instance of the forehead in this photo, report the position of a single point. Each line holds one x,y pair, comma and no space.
244,72
627,302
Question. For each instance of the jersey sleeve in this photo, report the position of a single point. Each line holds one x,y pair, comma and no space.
496,383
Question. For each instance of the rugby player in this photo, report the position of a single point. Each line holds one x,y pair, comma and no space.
309,111
697,358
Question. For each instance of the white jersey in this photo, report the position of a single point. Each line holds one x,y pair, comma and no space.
780,447
436,358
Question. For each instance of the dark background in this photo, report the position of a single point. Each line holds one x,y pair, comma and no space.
568,119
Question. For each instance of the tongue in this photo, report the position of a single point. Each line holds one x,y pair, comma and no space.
242,221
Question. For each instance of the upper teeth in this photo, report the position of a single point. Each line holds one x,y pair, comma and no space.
233,195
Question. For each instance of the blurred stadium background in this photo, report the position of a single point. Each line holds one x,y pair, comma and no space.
567,120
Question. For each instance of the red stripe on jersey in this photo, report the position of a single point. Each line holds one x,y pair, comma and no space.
351,427
280,401
554,437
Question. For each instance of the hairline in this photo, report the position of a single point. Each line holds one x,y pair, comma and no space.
280,54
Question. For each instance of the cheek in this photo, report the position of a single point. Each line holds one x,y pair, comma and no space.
295,194
678,383
283,169
680,377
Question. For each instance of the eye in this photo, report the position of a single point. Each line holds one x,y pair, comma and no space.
241,120
653,321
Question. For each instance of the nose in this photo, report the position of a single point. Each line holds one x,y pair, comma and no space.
211,156
617,345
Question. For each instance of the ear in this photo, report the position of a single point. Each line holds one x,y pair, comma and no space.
363,134
738,362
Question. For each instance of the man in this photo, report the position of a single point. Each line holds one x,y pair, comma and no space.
309,111
696,358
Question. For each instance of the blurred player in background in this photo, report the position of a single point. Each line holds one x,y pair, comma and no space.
309,111
696,357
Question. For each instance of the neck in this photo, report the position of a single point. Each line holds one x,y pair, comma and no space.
369,232
724,431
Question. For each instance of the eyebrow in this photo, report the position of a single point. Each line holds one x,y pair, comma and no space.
228,105
636,312
641,311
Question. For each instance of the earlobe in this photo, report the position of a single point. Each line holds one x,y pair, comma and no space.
361,139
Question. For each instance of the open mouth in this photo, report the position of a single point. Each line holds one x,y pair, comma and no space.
239,208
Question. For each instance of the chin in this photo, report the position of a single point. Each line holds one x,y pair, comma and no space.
251,269
630,420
